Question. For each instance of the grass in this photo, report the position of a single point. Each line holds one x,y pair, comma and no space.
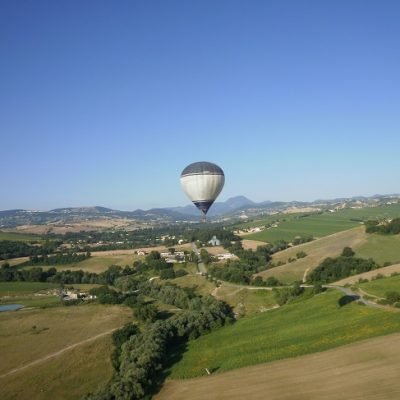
25,293
69,376
379,287
317,250
314,325
23,288
96,263
316,226
59,327
246,301
382,248
365,370
19,237
197,282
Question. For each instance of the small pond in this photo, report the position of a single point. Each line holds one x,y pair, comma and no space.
10,307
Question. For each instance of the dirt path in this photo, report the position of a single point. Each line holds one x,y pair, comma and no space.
56,354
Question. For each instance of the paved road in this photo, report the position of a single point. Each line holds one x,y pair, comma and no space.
57,353
358,296
200,265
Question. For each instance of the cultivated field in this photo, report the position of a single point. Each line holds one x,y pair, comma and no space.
19,237
317,250
24,288
252,244
318,225
366,370
309,326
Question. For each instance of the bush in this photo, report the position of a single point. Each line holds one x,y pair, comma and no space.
180,272
146,312
167,273
301,254
392,297
348,252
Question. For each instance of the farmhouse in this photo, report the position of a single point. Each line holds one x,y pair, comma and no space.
214,241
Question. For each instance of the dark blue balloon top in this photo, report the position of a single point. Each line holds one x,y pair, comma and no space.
202,167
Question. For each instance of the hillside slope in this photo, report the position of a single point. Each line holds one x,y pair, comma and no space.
366,370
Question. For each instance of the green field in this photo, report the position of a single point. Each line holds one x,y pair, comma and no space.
309,326
379,287
381,248
318,225
19,237
23,288
24,293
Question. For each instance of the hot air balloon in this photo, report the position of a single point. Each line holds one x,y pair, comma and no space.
202,182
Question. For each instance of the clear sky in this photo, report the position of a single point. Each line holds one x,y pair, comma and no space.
105,102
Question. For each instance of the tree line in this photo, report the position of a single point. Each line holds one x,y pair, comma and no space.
390,228
142,357
334,269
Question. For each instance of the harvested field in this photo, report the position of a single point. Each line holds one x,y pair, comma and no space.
28,335
385,271
317,251
252,244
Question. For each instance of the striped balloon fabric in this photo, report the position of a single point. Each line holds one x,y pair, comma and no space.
202,182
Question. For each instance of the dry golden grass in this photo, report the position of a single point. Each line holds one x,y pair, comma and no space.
214,250
367,370
385,271
317,250
69,376
252,244
56,328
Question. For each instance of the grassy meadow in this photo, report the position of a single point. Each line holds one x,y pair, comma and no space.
309,326
29,335
69,376
246,301
381,248
379,287
366,370
19,237
24,288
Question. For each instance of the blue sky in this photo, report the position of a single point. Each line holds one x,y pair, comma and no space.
105,102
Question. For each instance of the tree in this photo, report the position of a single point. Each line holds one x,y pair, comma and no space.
146,312
348,252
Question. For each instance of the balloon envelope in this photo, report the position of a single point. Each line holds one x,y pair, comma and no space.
202,182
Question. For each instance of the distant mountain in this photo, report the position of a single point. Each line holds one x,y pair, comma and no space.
218,208
233,207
